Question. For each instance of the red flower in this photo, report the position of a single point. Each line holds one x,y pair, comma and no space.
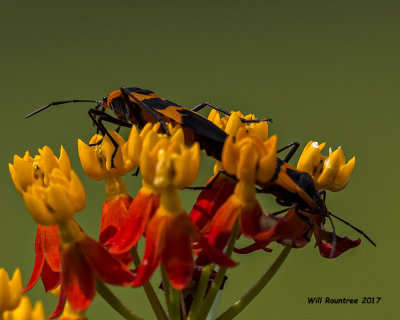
169,241
294,231
47,258
82,261
140,212
114,217
218,190
248,216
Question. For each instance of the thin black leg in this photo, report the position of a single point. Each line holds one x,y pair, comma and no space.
208,185
207,104
102,116
306,220
294,146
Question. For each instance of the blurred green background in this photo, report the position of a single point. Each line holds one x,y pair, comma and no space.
323,70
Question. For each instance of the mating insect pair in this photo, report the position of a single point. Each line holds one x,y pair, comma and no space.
134,106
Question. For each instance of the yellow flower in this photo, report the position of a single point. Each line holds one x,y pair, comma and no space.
330,173
25,312
232,123
10,290
166,162
249,158
96,159
51,190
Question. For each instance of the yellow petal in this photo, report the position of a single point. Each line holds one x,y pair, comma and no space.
186,167
248,159
268,162
38,311
15,289
132,148
343,175
38,210
21,174
230,156
90,161
63,163
234,124
58,200
260,130
4,290
47,160
310,158
77,192
215,118
330,169
178,137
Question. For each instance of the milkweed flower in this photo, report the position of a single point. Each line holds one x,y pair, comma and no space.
146,202
10,290
220,187
329,173
168,165
96,160
24,311
250,160
52,194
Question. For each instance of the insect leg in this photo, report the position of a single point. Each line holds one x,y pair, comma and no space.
207,104
102,116
208,185
294,146
308,221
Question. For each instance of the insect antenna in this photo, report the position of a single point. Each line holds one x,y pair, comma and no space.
99,103
354,228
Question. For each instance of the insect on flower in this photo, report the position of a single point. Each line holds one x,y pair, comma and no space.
135,106
139,106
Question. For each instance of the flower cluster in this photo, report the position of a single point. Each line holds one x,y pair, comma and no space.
186,246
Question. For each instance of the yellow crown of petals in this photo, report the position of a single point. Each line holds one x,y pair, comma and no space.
51,190
10,290
249,158
25,311
232,123
96,158
166,162
330,173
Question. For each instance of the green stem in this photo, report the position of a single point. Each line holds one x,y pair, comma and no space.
175,304
166,289
242,303
151,295
216,285
200,290
171,297
114,302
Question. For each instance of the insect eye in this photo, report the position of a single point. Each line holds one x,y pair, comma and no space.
105,99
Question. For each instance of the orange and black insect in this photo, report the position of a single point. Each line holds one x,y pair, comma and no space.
139,106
